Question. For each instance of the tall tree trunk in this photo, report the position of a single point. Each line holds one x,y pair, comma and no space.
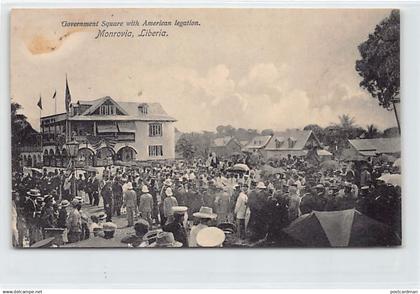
396,117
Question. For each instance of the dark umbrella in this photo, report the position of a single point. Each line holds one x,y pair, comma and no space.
345,228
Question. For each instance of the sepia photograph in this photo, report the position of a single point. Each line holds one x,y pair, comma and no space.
205,128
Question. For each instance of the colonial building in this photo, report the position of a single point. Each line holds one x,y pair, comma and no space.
293,142
108,132
257,144
225,146
365,148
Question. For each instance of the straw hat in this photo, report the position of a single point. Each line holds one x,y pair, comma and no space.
168,192
179,209
205,212
34,193
165,240
261,185
167,182
101,216
210,237
144,189
129,186
65,203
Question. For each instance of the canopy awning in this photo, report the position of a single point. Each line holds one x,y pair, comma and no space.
107,128
127,126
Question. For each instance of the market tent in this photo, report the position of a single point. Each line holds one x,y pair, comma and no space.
345,228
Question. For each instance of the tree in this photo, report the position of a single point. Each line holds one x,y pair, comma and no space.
346,121
380,63
185,147
317,130
18,124
267,132
371,132
391,132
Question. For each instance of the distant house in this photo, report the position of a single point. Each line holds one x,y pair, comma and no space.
257,144
225,146
364,148
293,142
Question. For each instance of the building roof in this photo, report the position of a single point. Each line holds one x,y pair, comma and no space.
299,137
258,142
379,145
222,142
130,110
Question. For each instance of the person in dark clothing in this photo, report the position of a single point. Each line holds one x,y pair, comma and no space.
117,194
95,190
177,227
258,206
106,193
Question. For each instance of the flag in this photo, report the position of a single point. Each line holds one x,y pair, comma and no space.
55,94
67,96
39,102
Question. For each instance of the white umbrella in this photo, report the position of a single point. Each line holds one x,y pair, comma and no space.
239,167
397,163
393,179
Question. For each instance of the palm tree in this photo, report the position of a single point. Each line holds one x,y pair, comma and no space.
346,121
371,132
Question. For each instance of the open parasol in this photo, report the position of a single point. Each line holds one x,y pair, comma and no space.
239,167
393,179
344,228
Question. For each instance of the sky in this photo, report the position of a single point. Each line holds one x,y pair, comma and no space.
251,68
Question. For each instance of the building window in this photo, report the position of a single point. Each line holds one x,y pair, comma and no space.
279,143
292,142
155,130
143,109
107,109
156,150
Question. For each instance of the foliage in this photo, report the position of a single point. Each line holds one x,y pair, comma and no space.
18,125
185,147
372,132
380,63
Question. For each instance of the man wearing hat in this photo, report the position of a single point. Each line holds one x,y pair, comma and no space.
222,204
146,204
74,223
169,202
160,197
48,219
141,228
130,202
204,216
258,219
240,211
117,194
62,214
106,193
32,212
177,226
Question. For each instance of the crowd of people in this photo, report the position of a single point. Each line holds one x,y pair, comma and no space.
174,203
